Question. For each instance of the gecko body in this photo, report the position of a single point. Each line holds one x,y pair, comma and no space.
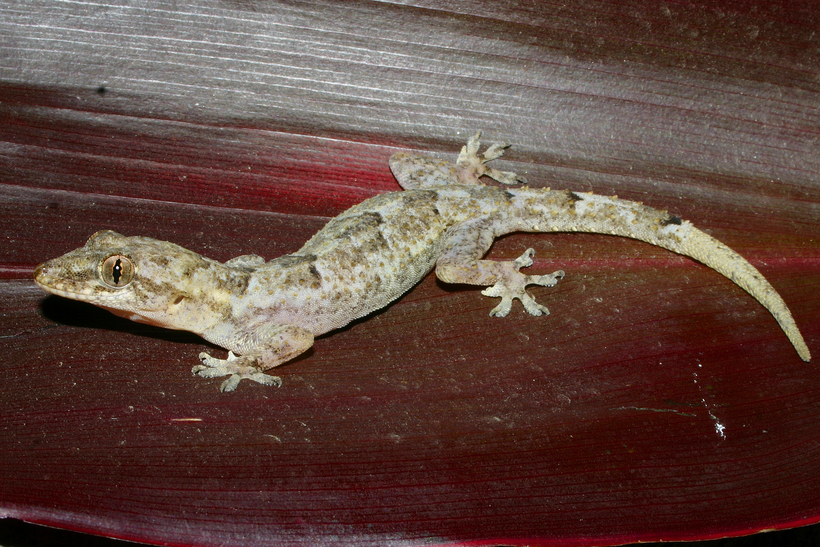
267,313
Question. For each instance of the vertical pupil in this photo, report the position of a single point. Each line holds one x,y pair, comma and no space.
117,271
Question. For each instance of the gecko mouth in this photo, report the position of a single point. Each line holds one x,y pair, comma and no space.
56,285
53,287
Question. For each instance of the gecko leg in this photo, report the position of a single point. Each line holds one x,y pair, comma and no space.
471,165
262,348
458,263
414,171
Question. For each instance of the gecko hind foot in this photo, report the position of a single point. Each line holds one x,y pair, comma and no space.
472,165
239,368
513,283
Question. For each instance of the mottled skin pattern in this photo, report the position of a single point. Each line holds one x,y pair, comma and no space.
270,312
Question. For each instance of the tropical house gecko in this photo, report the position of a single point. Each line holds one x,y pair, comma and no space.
267,313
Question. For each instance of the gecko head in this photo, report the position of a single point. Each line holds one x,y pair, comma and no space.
140,278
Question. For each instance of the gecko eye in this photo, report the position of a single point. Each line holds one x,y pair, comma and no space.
117,271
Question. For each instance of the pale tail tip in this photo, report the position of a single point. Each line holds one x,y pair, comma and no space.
802,349
804,354
796,339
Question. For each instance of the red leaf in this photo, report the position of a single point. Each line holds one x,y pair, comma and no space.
657,401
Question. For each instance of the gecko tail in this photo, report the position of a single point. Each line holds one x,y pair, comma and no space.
711,252
610,215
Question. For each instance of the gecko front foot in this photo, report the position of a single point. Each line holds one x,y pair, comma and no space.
512,284
238,368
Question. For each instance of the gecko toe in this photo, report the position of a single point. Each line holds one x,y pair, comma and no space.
259,377
230,384
533,307
503,308
525,260
265,379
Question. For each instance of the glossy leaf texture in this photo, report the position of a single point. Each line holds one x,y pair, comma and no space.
658,401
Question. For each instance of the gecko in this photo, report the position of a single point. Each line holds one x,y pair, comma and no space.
267,313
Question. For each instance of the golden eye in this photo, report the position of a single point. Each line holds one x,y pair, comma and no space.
117,271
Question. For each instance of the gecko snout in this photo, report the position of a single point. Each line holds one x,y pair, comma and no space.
39,270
